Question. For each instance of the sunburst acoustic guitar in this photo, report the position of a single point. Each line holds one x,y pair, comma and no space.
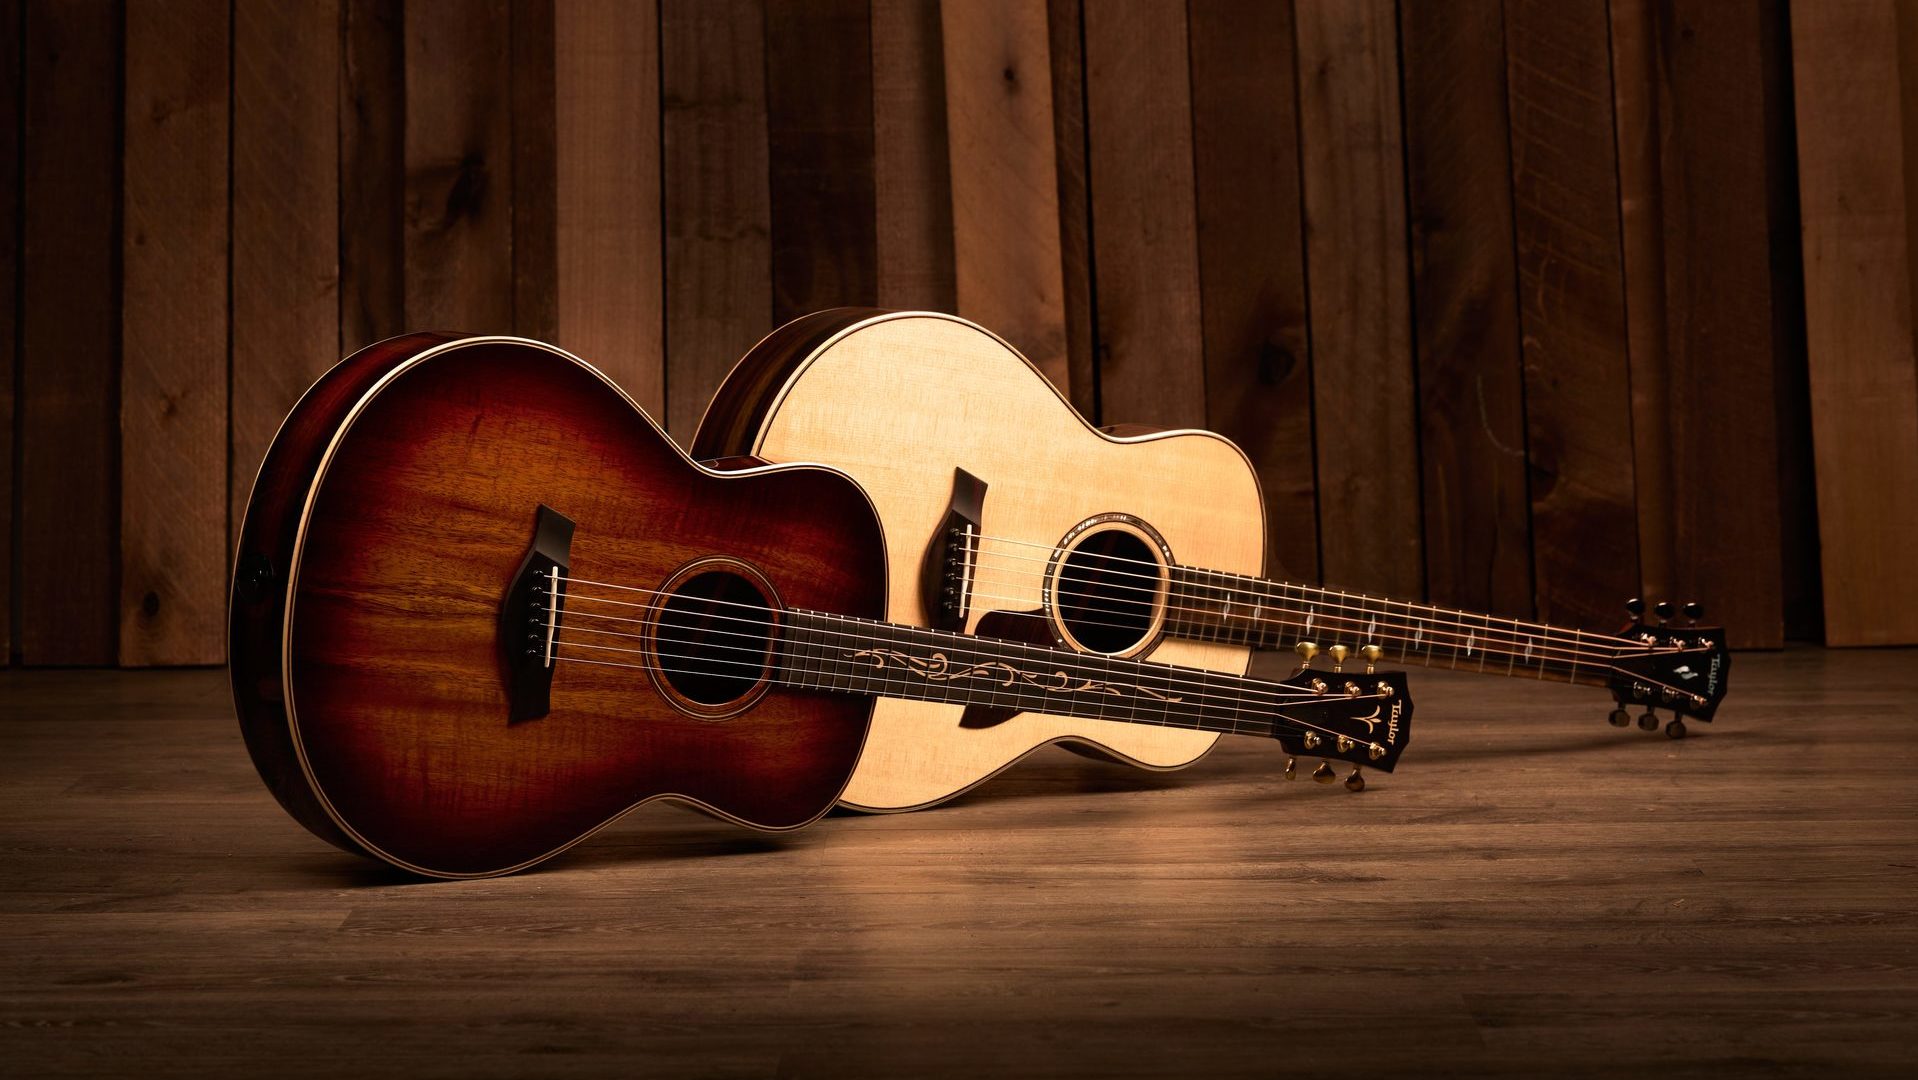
1009,515
482,606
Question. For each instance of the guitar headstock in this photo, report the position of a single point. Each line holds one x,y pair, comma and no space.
1682,668
1361,719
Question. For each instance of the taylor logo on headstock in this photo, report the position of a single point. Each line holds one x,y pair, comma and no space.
1668,666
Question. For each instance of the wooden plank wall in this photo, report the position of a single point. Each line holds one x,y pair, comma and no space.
1520,305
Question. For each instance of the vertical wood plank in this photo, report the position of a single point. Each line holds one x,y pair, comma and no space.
1723,357
1854,105
1354,180
1064,30
1258,360
718,221
912,179
173,376
459,167
1638,91
286,220
536,284
819,129
1478,545
1571,309
1005,182
1144,221
372,170
610,247
69,498
11,151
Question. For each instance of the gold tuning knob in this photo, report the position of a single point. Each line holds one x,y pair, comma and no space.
1323,774
1356,781
1306,650
1339,653
1372,654
1291,768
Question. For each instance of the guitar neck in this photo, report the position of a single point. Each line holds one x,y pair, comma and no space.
1237,609
822,651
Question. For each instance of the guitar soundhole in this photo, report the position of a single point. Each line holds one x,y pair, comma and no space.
1106,592
713,641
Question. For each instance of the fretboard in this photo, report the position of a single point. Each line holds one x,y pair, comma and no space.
822,651
1233,608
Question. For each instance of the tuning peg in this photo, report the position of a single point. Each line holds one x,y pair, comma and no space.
1662,609
1356,781
1619,718
1306,650
1372,654
1694,610
1323,774
1648,721
1635,607
1675,728
1338,654
1291,768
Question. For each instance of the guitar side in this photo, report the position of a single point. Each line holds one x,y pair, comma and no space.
897,400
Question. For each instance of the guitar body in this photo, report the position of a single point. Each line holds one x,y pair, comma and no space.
896,400
389,520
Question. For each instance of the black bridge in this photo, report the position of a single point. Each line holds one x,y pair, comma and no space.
529,616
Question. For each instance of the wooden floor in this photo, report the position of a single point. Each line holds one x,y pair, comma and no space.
1534,892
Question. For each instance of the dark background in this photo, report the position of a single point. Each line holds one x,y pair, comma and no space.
1524,306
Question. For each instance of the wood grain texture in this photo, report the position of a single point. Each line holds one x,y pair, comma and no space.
286,298
1005,180
536,272
1471,394
820,151
1064,31
397,709
1572,309
459,166
718,218
12,152
911,166
1641,99
174,323
1258,355
1144,222
1719,105
372,174
870,402
1517,893
1855,171
610,260
1350,142
68,484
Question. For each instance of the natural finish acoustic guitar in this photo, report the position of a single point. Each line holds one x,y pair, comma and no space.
1009,515
482,606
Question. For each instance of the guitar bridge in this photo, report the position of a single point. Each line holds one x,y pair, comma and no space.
529,616
952,559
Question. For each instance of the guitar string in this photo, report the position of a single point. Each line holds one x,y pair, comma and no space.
1198,711
1259,726
1490,624
1194,680
1468,641
767,642
1201,711
1188,674
1255,584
